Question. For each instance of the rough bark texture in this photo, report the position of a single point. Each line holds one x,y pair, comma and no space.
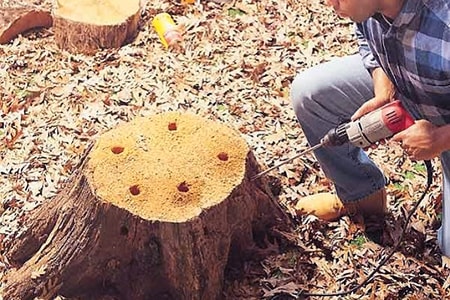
17,20
91,25
81,245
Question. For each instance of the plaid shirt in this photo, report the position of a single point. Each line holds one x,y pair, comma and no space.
414,51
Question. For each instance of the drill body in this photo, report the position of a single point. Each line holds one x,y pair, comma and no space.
370,128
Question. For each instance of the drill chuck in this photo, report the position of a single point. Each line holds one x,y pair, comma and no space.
336,136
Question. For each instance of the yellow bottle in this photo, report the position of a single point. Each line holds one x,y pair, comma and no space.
167,30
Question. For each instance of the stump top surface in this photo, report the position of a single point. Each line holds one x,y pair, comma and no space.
105,12
168,167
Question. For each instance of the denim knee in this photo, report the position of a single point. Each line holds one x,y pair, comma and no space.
303,91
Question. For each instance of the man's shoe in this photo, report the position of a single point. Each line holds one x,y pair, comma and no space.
325,206
329,207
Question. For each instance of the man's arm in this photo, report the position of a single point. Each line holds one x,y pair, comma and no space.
421,141
383,88
368,59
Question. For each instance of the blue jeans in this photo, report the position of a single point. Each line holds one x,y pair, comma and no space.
328,94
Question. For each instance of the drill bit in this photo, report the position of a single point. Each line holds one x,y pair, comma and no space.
310,149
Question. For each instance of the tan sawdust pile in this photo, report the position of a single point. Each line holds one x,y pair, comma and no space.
168,167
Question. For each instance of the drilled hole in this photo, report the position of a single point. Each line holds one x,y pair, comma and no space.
223,156
172,126
124,230
183,187
134,190
117,149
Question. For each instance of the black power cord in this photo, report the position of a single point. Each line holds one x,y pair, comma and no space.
389,255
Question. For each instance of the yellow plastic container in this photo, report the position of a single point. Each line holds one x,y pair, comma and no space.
167,30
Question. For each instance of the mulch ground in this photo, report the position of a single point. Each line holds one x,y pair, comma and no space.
236,65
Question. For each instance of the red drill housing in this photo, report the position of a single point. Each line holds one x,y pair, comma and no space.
396,117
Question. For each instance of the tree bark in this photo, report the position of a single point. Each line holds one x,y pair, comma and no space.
88,26
109,234
17,20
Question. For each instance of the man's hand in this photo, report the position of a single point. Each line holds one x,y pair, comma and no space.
369,106
384,92
423,140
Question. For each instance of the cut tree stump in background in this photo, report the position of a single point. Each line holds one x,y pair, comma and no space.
86,26
17,20
157,210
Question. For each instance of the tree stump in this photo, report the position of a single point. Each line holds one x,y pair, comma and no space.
17,20
157,210
86,26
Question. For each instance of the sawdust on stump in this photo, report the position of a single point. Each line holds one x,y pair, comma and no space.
17,20
166,163
159,207
86,26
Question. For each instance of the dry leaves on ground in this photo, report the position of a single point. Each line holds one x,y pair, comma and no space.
237,65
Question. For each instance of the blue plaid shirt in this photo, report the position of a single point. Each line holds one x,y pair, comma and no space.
414,51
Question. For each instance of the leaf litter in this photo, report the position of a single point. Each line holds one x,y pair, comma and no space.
238,61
